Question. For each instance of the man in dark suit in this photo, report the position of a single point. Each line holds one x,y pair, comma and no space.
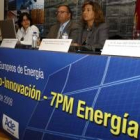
64,25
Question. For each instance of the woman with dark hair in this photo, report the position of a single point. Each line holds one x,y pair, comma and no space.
94,29
26,28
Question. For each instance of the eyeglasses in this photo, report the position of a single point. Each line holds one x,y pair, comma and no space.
61,12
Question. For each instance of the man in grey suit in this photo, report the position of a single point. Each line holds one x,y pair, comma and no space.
65,25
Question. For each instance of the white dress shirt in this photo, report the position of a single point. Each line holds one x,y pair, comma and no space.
26,36
61,29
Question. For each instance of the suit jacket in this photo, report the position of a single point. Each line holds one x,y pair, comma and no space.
72,29
94,38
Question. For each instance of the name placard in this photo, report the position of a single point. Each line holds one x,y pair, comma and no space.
9,43
122,48
59,45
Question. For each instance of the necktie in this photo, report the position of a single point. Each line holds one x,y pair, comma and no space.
59,35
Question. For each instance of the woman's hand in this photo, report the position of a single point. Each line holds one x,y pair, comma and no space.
74,47
75,44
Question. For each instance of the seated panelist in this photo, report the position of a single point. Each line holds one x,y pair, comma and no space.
26,28
94,29
65,28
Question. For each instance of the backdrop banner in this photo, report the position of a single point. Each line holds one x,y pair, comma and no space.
66,96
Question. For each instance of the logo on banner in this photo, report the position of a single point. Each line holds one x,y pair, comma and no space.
11,126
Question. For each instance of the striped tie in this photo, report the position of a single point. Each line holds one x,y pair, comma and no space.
59,35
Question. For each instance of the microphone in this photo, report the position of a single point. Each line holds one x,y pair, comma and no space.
22,39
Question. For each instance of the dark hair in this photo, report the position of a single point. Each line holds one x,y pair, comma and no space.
21,18
68,8
99,17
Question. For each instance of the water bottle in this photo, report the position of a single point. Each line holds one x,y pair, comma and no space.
65,35
34,40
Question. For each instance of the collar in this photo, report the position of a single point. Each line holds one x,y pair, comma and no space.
65,24
22,29
90,29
